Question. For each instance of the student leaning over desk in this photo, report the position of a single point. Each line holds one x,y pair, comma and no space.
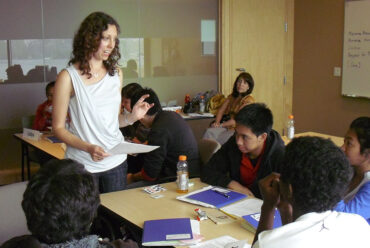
173,135
90,88
357,149
253,152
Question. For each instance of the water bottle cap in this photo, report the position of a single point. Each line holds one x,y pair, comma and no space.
182,157
291,116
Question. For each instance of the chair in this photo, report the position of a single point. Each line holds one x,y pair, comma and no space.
207,147
13,221
27,121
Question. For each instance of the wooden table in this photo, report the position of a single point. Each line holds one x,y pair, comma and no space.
336,140
136,206
56,150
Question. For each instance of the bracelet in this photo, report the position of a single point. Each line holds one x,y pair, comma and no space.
125,118
221,125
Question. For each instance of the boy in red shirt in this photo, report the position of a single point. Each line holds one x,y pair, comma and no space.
44,111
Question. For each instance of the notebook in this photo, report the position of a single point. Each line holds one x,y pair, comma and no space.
53,139
217,197
252,220
158,232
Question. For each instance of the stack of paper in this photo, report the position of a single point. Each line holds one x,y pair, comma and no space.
171,232
250,211
212,197
131,148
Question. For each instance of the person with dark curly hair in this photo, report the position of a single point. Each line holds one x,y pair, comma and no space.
90,88
251,154
357,149
60,203
223,126
313,179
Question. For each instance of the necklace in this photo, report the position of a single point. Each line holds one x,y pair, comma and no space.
95,75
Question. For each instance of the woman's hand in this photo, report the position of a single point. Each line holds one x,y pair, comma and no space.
141,107
215,124
97,153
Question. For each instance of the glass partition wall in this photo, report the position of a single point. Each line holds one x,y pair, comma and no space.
168,45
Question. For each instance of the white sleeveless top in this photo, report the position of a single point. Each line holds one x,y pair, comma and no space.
94,113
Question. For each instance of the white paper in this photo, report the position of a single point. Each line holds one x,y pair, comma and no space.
245,207
131,148
223,242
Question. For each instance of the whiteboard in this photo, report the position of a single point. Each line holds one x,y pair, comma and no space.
356,49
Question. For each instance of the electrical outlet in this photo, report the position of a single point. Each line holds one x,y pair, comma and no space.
337,71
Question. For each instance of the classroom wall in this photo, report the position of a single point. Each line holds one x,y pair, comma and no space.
318,43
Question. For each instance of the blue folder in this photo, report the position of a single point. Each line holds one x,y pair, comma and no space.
54,139
166,230
218,200
253,219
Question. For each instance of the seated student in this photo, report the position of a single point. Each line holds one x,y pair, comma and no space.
313,179
44,111
357,148
135,132
223,126
60,203
252,153
174,136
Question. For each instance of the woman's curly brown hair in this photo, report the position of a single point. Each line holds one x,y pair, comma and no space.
87,40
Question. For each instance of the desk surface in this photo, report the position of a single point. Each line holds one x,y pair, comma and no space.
54,149
57,151
136,206
336,140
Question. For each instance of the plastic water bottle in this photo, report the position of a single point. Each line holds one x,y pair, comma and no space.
202,104
182,175
290,127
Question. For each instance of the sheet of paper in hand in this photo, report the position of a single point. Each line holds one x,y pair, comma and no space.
131,148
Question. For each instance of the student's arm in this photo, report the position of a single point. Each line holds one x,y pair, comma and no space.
220,113
217,170
153,161
62,94
360,204
269,187
234,185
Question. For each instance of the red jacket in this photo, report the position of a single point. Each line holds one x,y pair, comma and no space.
43,116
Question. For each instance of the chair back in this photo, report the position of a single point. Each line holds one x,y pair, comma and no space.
207,147
27,121
13,221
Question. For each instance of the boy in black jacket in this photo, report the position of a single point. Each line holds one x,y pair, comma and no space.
253,152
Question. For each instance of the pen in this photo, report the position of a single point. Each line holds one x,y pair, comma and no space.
221,193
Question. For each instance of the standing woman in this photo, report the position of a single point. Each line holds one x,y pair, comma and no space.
223,126
90,88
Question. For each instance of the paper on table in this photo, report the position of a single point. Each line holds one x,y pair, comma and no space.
222,242
131,148
245,207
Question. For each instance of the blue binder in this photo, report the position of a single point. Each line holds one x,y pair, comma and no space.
166,230
217,199
253,219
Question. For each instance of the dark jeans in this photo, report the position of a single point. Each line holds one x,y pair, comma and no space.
113,179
